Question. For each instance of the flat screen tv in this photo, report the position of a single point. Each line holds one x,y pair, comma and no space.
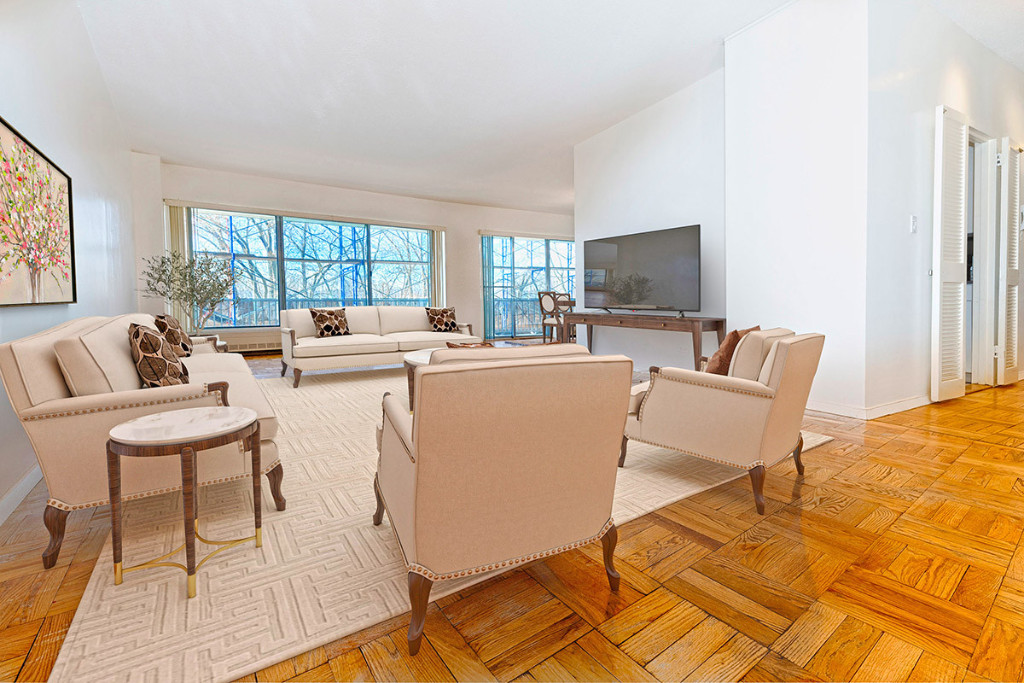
656,271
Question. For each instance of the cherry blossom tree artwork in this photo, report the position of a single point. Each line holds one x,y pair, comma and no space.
36,262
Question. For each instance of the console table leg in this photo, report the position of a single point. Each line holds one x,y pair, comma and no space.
188,491
590,338
695,331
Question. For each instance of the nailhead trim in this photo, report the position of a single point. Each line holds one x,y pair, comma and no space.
423,571
713,386
756,463
142,404
82,506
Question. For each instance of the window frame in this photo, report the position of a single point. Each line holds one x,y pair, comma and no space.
434,262
487,261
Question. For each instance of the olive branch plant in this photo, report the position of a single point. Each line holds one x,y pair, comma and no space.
196,283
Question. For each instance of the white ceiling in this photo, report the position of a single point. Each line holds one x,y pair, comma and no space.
997,24
476,101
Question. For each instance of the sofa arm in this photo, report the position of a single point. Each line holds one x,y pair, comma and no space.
396,415
465,328
713,381
69,437
152,400
287,342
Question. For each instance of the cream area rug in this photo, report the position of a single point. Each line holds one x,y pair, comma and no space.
324,570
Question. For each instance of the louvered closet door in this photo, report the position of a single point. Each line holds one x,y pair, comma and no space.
1009,263
949,255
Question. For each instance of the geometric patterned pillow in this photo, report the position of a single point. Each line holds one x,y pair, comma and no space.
442,319
173,332
330,322
155,360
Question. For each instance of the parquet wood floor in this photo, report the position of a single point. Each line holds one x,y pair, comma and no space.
897,557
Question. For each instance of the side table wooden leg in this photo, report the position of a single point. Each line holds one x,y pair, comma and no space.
188,491
114,486
257,499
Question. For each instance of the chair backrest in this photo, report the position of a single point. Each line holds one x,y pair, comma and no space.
753,348
515,457
789,369
491,354
563,302
548,303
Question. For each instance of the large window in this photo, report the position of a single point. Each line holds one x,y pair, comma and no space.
320,263
515,270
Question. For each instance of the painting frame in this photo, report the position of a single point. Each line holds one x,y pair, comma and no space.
6,127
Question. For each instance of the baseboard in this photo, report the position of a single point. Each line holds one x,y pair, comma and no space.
868,413
884,409
13,498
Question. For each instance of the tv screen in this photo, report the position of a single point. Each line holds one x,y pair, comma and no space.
658,271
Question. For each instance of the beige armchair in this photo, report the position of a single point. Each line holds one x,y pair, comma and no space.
501,463
748,419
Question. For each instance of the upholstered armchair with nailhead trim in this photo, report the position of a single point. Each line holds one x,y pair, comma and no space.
501,463
748,419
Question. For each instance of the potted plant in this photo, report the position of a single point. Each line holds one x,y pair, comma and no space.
196,283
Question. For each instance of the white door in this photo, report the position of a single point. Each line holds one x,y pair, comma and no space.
949,254
1007,343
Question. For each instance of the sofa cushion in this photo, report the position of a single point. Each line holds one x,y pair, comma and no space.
442,319
413,341
329,322
751,352
351,344
99,360
403,319
721,360
156,360
174,333
244,391
32,373
216,362
363,319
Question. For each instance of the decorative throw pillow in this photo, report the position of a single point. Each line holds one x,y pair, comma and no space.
719,363
442,319
471,345
174,333
330,322
155,360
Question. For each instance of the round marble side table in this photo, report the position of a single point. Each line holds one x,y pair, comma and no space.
183,433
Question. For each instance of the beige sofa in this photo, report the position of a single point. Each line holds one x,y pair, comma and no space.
501,463
69,385
378,335
749,419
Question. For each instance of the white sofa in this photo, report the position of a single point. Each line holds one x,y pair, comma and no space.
69,385
378,335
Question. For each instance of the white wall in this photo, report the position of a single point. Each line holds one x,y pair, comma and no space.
660,168
796,133
918,60
462,222
54,94
147,221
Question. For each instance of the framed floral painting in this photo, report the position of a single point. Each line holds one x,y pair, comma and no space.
37,255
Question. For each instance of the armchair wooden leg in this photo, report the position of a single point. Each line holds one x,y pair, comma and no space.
378,516
298,374
284,368
622,451
54,519
757,482
608,542
419,597
796,456
275,476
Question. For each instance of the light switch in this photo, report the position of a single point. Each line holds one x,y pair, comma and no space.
913,224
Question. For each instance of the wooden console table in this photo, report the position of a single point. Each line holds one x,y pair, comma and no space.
695,326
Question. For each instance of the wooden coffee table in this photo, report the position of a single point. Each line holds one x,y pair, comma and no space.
183,433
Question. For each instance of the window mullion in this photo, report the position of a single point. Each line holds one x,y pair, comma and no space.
282,299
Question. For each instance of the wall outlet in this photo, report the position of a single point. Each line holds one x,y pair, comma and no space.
913,225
